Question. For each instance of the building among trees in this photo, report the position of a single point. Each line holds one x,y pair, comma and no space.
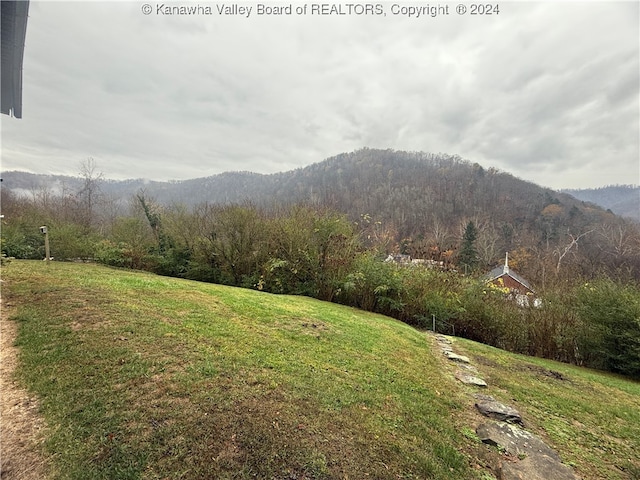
515,286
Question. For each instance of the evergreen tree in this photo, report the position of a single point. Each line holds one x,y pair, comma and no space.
468,257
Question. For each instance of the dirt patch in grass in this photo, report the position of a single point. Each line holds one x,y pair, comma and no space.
545,372
20,423
484,361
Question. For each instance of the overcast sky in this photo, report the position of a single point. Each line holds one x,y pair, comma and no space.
547,91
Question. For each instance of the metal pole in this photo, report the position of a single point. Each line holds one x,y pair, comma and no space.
434,323
45,231
46,246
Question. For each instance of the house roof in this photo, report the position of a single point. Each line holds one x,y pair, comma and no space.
500,272
506,271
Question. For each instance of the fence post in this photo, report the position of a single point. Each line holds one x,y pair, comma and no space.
45,232
434,323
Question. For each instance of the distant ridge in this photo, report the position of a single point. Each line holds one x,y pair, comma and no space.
623,200
405,189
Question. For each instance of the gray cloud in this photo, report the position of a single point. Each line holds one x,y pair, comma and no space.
545,90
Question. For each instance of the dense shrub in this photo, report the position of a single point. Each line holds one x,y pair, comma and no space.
70,241
611,315
307,252
554,329
486,315
123,254
67,241
374,285
20,243
428,293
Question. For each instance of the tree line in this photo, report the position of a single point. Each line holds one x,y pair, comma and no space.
419,204
588,316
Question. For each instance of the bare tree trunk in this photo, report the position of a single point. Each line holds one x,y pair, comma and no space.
567,249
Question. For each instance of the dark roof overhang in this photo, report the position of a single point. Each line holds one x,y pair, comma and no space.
14,30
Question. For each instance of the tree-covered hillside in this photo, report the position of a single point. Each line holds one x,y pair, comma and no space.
326,229
403,202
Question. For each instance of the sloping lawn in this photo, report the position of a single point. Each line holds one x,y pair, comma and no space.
142,376
148,377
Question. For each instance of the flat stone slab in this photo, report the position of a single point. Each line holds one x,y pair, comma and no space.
469,368
499,411
441,338
456,358
470,379
536,467
483,397
514,440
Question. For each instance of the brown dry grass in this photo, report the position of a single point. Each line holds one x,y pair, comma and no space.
21,438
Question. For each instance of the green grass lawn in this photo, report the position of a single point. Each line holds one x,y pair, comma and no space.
149,377
591,418
143,376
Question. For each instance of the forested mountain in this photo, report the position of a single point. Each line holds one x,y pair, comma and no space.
415,203
622,200
398,186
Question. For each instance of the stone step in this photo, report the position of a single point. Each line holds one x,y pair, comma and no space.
499,411
470,379
456,358
531,458
469,368
536,467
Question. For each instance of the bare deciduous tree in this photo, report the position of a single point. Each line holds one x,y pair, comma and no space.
563,251
89,193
